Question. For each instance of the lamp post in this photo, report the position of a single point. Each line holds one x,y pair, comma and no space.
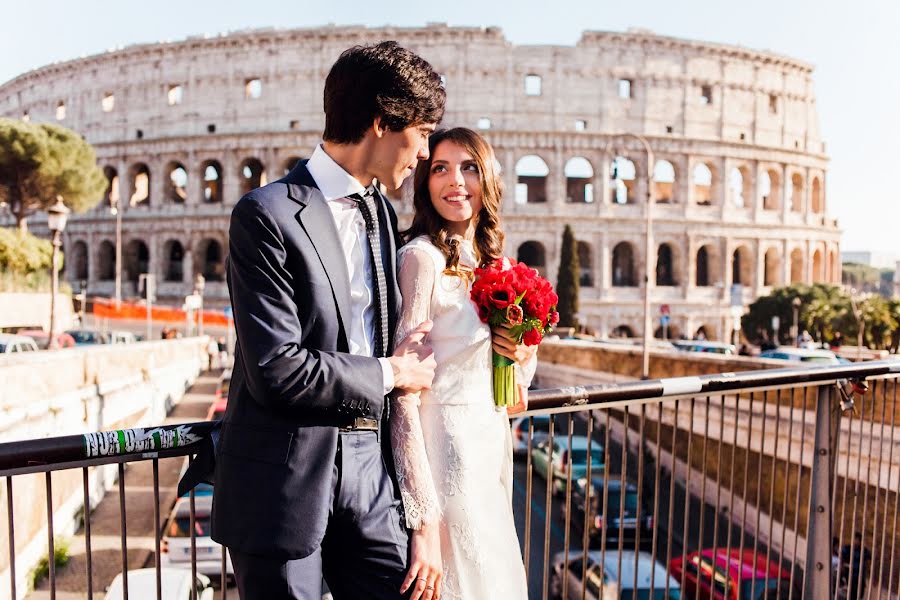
114,209
149,280
199,286
56,223
860,322
650,266
795,329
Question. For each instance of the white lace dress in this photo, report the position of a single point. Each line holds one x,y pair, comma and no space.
451,446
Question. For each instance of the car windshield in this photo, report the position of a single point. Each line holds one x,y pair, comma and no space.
650,595
181,527
83,337
755,590
579,457
614,499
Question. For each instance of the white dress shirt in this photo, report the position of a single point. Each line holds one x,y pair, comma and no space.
336,184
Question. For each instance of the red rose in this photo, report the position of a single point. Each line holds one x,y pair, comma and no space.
483,313
554,318
532,337
514,314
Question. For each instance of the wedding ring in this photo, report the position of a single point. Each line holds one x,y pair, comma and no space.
425,579
429,587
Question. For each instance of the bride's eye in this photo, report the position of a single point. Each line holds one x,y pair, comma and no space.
471,167
438,169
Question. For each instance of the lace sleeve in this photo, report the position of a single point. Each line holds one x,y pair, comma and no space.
420,501
525,373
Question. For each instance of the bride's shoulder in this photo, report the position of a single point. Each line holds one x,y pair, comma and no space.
422,245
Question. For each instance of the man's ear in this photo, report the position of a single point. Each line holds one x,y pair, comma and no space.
378,128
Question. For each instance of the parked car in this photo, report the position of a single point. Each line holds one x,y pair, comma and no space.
42,338
175,585
176,538
804,355
611,520
10,343
121,337
547,457
731,575
85,337
605,581
520,428
705,346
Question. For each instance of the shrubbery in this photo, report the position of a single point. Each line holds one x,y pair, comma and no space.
24,262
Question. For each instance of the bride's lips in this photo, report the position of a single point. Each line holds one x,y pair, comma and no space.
456,197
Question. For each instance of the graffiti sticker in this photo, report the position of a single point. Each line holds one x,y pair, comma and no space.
127,441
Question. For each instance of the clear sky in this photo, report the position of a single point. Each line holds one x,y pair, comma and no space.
854,46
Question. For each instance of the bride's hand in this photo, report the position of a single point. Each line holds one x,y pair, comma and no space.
425,570
504,345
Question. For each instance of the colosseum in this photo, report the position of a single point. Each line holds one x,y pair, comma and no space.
734,201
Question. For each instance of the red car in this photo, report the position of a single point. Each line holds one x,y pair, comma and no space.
731,575
42,338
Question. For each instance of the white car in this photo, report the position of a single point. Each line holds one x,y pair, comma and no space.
602,581
176,585
16,343
805,355
176,539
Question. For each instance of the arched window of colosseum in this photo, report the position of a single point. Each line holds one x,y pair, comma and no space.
212,260
704,268
702,182
26,117
796,199
111,195
623,180
770,189
78,259
623,265
579,174
173,255
140,187
772,275
212,182
585,265
739,186
624,87
176,183
252,89
60,110
797,266
290,163
531,180
175,95
829,268
742,267
253,175
532,85
109,102
622,331
705,332
106,261
137,261
533,255
818,272
818,205
665,266
664,182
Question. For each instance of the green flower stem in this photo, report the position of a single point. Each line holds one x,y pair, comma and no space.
505,392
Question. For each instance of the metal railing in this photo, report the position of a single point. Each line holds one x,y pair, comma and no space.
763,484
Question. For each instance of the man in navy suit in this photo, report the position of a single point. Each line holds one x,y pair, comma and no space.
304,482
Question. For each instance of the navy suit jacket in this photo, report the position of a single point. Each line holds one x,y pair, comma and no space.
294,380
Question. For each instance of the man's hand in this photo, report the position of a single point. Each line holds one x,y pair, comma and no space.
413,361
425,568
504,345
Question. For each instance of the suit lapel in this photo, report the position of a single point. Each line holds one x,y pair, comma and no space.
317,222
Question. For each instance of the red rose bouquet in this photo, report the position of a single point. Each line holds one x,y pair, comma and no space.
512,294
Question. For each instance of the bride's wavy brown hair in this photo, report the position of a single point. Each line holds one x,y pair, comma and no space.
489,237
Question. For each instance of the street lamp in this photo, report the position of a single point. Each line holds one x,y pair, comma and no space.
199,286
648,251
56,223
148,280
114,209
795,330
860,322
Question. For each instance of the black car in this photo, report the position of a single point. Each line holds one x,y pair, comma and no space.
611,520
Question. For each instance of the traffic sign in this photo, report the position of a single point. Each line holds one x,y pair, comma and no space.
664,309
665,320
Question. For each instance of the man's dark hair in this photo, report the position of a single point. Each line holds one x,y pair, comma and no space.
384,80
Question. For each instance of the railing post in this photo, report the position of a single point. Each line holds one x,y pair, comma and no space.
818,574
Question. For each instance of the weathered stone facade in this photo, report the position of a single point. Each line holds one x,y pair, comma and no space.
183,128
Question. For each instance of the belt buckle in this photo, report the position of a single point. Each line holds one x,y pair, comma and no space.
361,424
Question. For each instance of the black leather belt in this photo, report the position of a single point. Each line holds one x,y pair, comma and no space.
360,424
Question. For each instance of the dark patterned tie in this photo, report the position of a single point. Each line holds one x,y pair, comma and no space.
366,203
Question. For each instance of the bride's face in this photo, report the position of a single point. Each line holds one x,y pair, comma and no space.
455,186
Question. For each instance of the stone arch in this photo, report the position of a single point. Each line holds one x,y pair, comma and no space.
252,175
579,177
173,261
666,265
742,266
772,273
818,201
139,190
533,254
622,331
623,271
818,272
705,332
585,265
136,259
739,186
111,195
289,163
211,172
770,189
211,259
78,261
829,273
705,275
798,266
106,261
797,189
672,332
623,176
531,180
703,178
664,178
176,183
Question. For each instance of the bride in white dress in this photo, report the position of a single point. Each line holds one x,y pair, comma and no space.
452,447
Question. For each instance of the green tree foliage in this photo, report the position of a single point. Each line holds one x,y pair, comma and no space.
23,253
567,280
38,162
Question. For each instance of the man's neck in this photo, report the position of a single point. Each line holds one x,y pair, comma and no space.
353,158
